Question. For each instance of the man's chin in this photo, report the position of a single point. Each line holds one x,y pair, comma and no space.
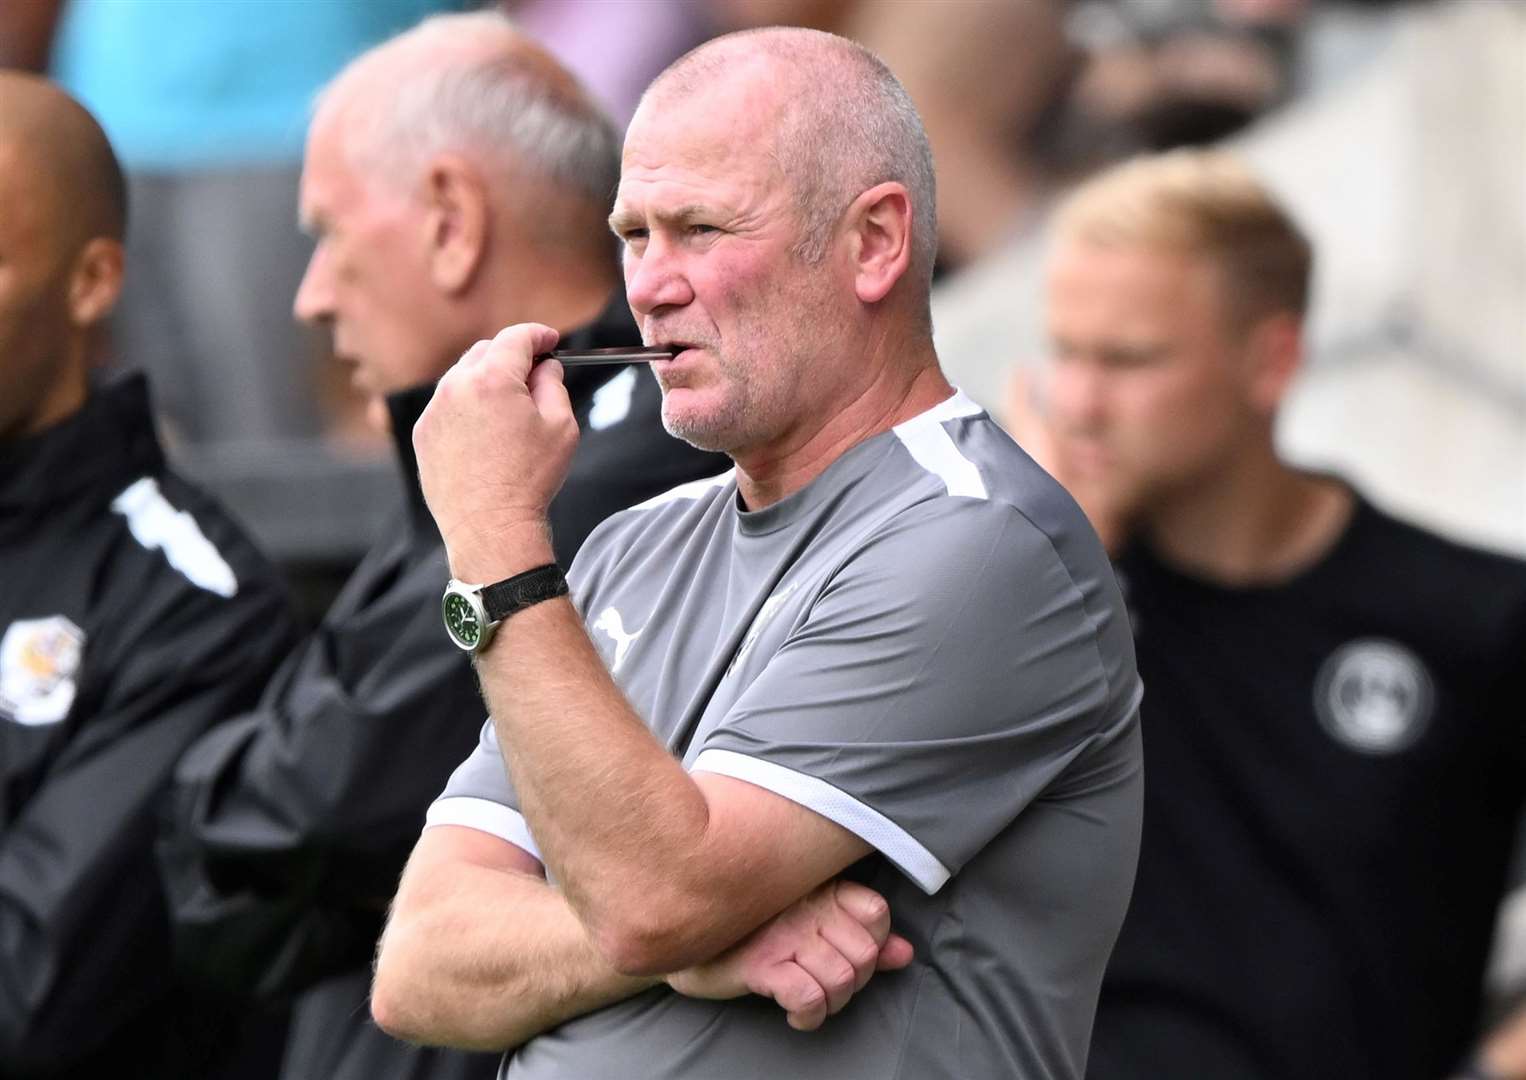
378,419
701,438
699,431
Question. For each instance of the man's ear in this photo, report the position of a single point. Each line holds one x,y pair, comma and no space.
96,281
879,224
455,222
1274,353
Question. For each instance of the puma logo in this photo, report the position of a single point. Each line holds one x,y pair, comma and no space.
610,623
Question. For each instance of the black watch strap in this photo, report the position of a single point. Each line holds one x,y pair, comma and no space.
503,598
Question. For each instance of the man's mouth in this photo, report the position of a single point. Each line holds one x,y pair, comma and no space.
351,365
677,347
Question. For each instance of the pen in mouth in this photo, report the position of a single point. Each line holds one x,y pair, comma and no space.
635,354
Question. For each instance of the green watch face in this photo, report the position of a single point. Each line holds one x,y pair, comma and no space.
461,620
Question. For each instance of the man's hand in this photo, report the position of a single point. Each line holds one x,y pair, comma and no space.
494,446
811,958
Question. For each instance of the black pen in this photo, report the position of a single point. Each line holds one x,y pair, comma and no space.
635,354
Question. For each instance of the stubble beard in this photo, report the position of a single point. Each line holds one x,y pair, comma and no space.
719,428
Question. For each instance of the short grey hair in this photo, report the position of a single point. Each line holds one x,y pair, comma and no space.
442,87
855,128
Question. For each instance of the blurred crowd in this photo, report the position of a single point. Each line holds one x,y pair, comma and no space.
1391,130
1393,134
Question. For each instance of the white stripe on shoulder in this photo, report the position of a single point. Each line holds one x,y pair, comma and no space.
154,523
929,442
694,489
834,804
484,815
952,407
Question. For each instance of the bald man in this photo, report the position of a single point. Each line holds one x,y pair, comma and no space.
456,180
885,648
133,615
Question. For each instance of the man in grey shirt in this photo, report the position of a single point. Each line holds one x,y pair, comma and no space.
886,647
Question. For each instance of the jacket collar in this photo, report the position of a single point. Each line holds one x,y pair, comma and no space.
405,407
100,449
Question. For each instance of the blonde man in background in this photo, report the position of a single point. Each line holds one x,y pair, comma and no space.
1331,727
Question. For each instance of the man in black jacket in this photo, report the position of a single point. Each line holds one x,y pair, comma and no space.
133,616
456,181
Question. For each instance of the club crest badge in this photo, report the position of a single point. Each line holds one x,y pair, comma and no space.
764,616
1374,696
39,662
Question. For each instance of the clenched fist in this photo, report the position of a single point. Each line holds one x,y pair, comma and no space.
494,446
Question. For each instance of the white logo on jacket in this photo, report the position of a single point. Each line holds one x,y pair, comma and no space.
39,660
612,401
1374,695
610,623
154,523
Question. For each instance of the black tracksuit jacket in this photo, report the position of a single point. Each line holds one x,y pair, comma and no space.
133,616
292,823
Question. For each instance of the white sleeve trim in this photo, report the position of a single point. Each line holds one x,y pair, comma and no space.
484,815
892,841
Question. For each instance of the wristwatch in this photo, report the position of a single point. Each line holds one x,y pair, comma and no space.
472,612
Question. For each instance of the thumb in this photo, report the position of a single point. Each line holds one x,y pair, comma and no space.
549,392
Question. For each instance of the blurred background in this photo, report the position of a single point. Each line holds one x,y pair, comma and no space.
1395,132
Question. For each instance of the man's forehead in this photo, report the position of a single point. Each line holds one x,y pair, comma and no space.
27,188
329,181
696,142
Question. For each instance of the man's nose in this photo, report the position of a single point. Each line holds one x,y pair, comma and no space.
1077,394
655,278
314,301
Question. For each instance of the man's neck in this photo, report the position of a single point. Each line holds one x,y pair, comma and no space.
1260,523
896,394
560,302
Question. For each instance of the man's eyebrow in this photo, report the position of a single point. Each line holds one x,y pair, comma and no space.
622,220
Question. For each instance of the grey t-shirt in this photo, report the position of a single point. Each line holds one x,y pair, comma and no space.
927,646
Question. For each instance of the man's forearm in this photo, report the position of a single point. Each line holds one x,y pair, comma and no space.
646,856
483,959
614,814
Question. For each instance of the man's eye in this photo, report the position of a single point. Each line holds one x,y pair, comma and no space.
631,236
700,230
1133,358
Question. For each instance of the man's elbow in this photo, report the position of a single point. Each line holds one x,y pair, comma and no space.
394,1004
654,939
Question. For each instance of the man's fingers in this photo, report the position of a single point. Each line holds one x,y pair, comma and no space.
797,993
895,954
855,944
833,972
866,906
514,348
549,393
